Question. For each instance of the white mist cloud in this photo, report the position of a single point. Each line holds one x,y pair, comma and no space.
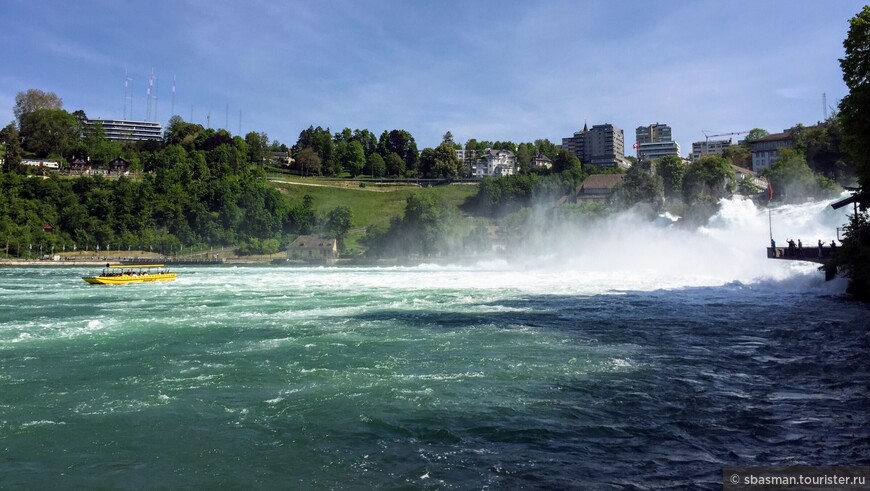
627,251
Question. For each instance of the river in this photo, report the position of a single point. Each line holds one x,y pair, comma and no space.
633,355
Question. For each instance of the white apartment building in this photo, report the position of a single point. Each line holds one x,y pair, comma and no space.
495,163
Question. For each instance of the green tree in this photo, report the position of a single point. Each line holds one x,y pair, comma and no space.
48,132
854,257
375,165
354,158
565,160
446,162
308,162
738,155
640,186
440,162
525,154
754,134
367,139
792,179
395,165
855,107
708,179
427,162
401,143
33,100
671,169
338,223
258,146
319,140
423,224
9,139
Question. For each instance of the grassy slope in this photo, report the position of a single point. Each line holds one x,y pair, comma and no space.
370,205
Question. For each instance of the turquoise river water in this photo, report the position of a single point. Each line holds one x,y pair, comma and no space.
565,372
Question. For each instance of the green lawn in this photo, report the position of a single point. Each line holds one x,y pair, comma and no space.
372,204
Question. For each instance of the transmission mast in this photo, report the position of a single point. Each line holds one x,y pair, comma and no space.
173,96
825,105
152,96
128,95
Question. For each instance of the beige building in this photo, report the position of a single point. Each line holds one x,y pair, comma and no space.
598,187
313,249
710,147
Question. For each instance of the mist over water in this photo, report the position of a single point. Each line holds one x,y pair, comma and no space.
628,251
624,354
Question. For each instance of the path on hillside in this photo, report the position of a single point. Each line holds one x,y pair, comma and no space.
368,187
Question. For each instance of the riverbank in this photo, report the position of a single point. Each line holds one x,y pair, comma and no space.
281,261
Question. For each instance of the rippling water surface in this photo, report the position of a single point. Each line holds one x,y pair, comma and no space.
429,377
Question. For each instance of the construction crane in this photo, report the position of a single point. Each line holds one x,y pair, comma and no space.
707,137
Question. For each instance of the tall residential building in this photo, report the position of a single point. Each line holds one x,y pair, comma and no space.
125,130
655,141
603,145
709,147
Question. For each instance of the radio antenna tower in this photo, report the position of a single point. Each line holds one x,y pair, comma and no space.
128,95
173,96
240,123
227,118
152,96
825,105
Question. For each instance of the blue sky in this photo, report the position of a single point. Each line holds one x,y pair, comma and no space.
490,70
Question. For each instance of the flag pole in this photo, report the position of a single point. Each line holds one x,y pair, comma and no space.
769,215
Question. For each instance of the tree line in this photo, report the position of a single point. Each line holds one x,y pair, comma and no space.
198,187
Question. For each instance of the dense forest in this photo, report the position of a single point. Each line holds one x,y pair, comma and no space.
200,187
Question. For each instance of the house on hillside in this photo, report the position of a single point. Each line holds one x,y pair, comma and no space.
80,166
495,163
280,158
541,161
747,175
313,249
597,187
119,166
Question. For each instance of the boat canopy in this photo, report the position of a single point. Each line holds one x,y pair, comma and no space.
129,266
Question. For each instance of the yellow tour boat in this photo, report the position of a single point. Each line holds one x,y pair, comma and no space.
131,273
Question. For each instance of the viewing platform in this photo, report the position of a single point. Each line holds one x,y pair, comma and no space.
821,255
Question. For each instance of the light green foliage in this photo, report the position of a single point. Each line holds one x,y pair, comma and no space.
401,144
354,158
565,160
423,230
855,107
9,138
375,165
33,100
308,162
338,224
738,155
755,134
640,186
439,162
793,181
708,179
48,132
671,170
257,146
